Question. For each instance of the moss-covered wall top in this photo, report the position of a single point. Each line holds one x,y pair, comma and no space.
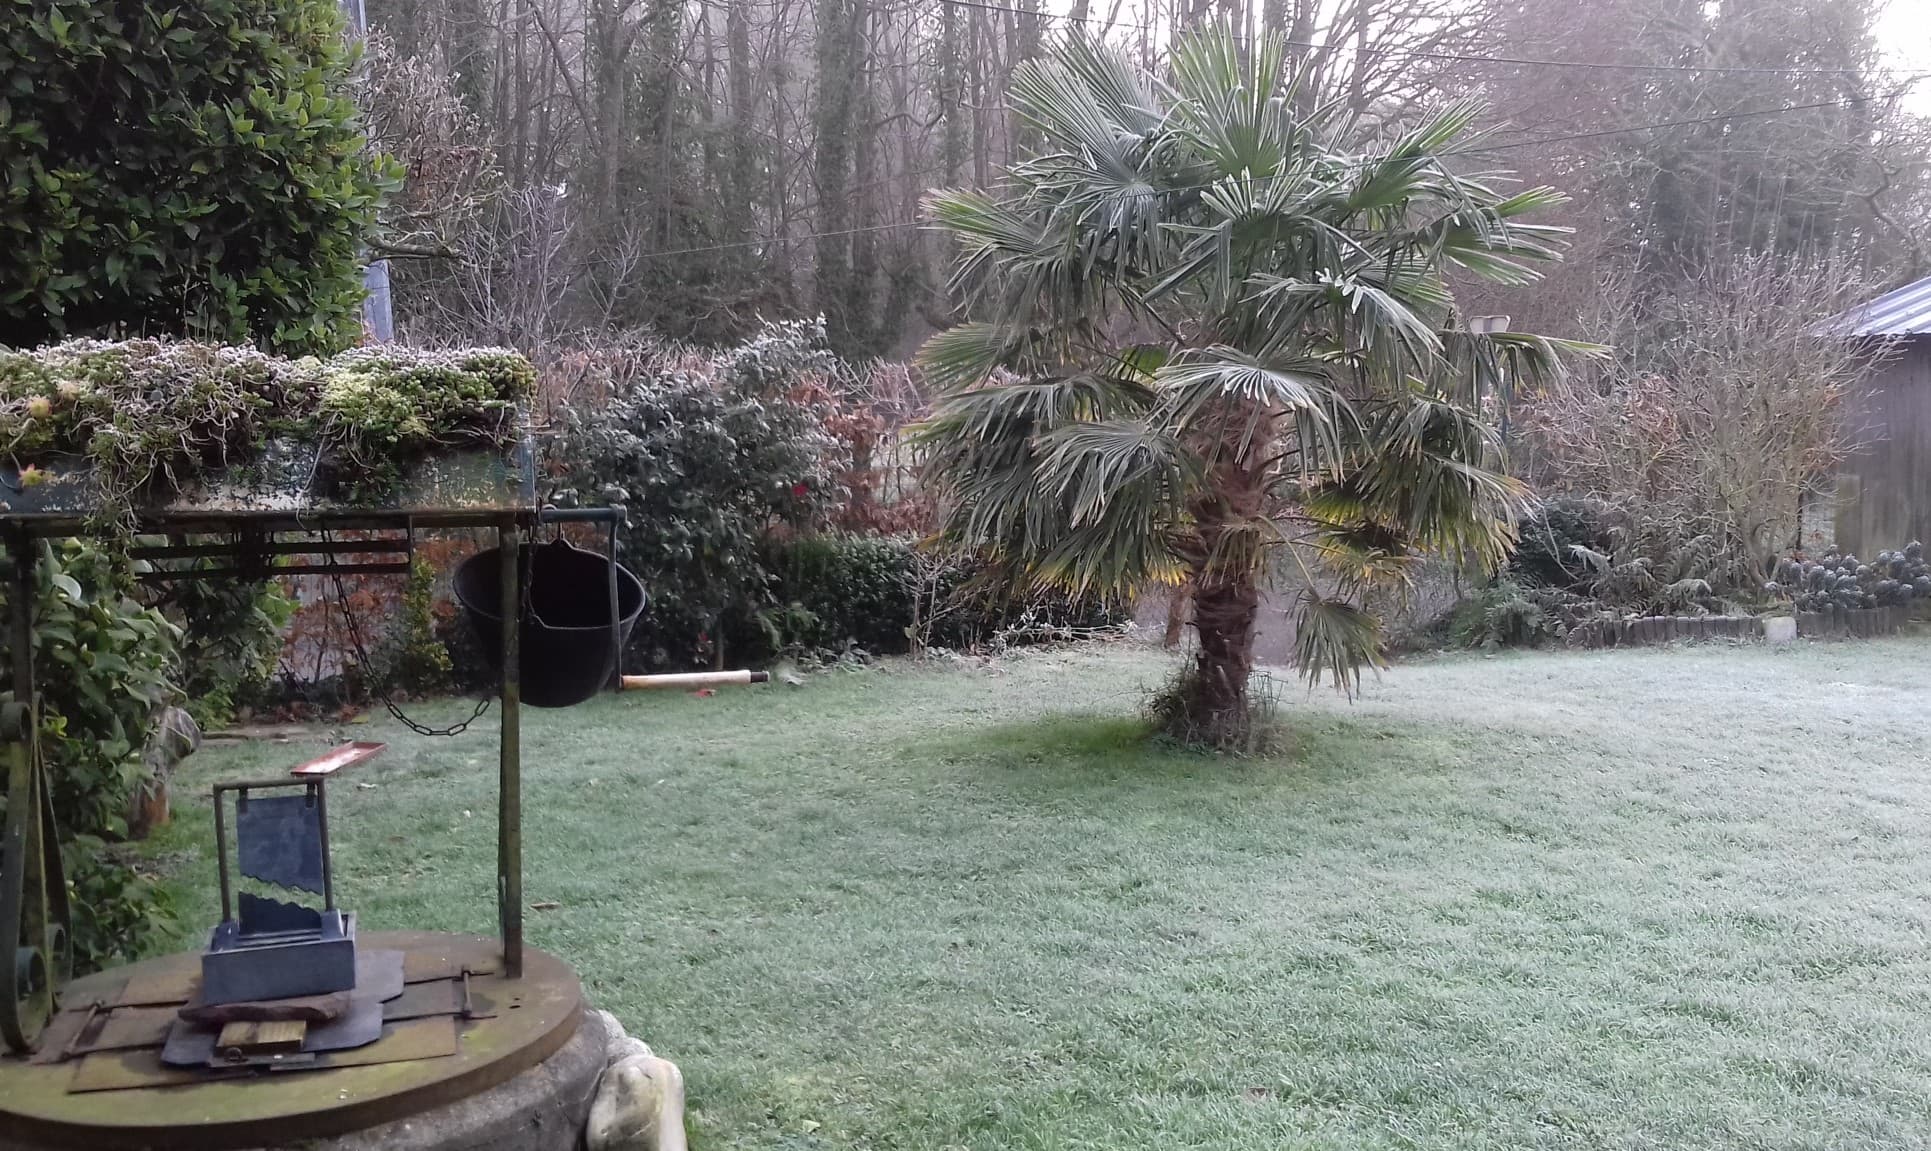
145,422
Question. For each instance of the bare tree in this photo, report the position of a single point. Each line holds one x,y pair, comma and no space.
1718,432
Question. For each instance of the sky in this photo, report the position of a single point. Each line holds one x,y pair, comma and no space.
1906,35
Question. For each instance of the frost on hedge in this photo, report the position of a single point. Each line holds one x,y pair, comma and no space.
154,414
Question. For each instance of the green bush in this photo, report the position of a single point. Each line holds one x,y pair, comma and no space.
231,639
707,464
422,662
834,593
1508,613
190,169
102,663
830,594
1545,553
1840,580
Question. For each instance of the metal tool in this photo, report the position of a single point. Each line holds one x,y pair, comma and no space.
266,948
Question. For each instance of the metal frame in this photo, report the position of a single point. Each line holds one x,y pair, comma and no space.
253,543
36,931
314,787
255,531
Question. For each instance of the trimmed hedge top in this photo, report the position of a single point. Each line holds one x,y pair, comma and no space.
151,415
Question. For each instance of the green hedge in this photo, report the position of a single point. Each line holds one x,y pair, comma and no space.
833,593
102,663
190,169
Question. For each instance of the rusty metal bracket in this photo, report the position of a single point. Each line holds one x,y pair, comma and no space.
36,957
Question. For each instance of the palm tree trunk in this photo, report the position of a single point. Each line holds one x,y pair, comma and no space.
1225,607
1225,564
1177,606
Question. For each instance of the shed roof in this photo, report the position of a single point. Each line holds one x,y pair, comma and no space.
1905,311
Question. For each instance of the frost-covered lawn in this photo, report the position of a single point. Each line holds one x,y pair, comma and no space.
1664,899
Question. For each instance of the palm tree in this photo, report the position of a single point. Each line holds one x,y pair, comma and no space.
1217,343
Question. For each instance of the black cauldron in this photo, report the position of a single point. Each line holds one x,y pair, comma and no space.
566,650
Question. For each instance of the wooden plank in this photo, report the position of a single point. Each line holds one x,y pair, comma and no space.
251,1038
339,547
346,755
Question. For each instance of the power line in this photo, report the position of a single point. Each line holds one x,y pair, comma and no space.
1431,55
1478,150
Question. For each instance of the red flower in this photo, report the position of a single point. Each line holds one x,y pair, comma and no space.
799,490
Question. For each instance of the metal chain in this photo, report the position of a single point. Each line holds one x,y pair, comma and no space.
362,658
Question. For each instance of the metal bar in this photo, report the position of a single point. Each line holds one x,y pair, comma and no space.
509,816
221,855
22,547
59,524
686,679
615,513
73,1047
616,624
262,784
269,547
252,573
322,823
48,525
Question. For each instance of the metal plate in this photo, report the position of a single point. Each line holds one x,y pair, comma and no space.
191,1046
129,1070
378,978
278,839
126,1027
442,997
345,756
537,1015
411,1039
421,966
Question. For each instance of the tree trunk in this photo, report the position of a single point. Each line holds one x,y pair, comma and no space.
837,62
1225,606
953,141
863,276
744,160
1177,605
1225,562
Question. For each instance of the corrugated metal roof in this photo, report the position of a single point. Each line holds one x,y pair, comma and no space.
1904,312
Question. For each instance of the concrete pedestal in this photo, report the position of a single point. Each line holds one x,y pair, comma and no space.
541,1109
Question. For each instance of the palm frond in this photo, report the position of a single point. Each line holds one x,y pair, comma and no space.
967,355
1334,639
1216,380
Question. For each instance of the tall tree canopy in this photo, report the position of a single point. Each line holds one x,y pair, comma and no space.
1216,341
690,165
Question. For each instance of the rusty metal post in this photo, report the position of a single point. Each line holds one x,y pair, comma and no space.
616,624
221,857
319,789
21,545
509,818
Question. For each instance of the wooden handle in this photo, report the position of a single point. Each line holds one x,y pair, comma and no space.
690,679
